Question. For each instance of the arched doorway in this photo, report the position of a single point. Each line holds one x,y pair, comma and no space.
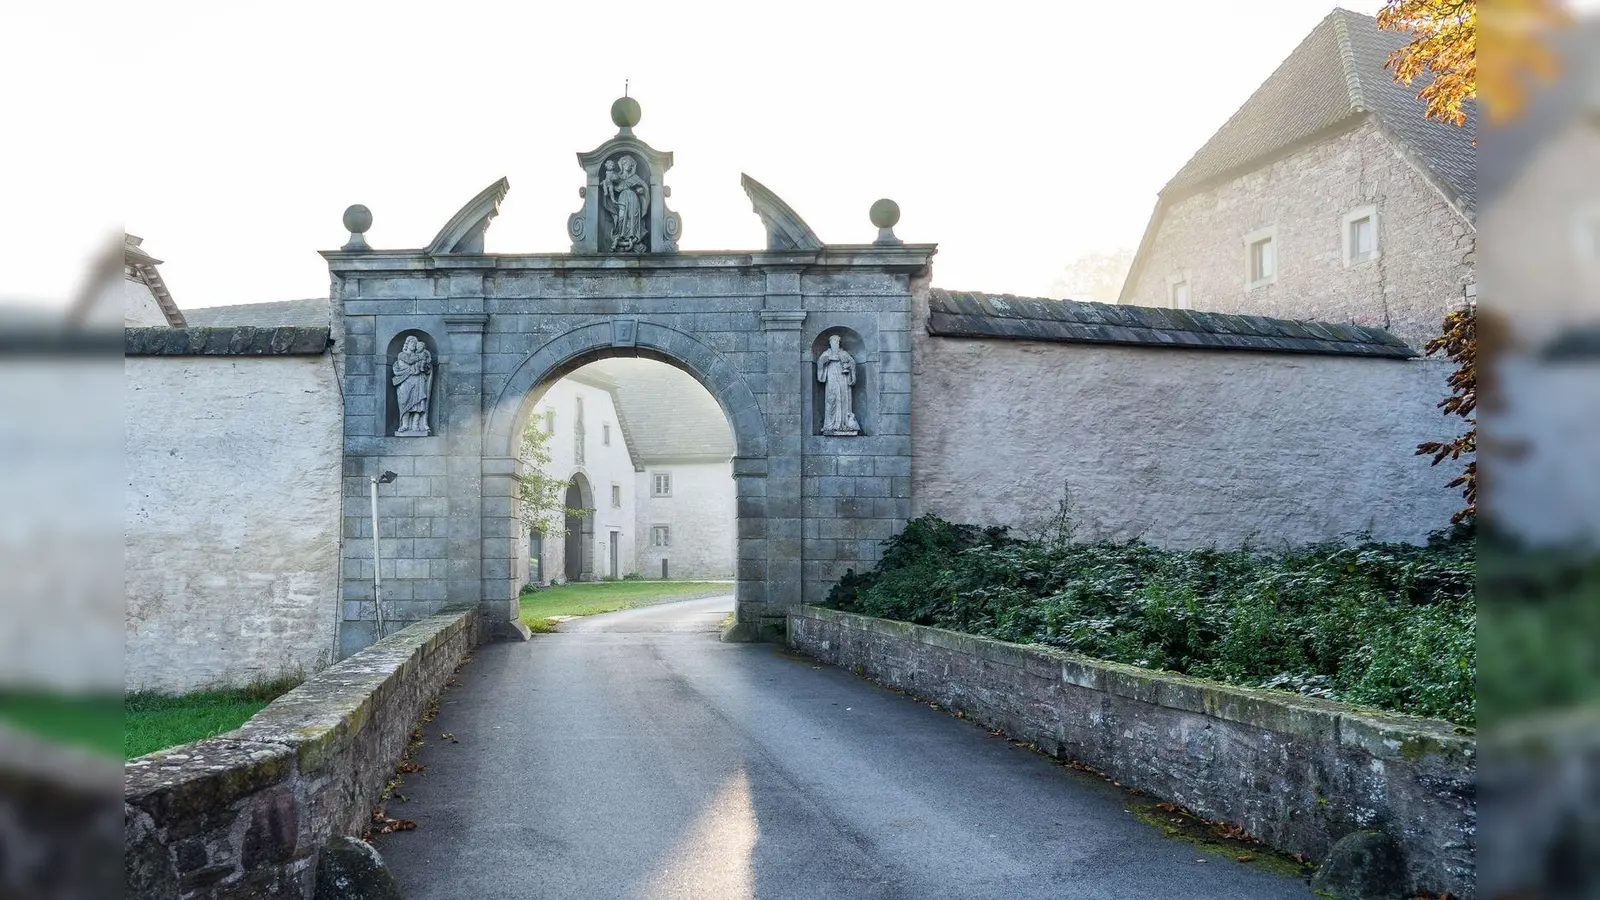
762,590
579,540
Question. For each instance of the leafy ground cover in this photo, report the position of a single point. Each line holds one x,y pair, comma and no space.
592,598
92,722
154,722
1386,625
1539,630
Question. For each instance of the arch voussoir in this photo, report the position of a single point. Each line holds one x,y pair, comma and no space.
596,340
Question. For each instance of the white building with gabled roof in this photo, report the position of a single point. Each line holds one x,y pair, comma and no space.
683,474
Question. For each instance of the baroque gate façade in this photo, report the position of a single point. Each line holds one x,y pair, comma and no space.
445,349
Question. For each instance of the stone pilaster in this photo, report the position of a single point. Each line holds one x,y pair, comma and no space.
467,568
782,322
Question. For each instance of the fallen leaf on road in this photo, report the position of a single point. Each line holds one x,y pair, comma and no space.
383,824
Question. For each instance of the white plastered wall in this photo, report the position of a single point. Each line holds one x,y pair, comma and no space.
231,542
1183,448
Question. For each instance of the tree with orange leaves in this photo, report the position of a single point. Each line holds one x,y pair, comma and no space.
1446,48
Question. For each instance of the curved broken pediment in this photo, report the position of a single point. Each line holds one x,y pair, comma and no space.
464,232
785,229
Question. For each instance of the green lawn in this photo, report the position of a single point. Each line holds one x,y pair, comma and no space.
92,722
589,599
154,722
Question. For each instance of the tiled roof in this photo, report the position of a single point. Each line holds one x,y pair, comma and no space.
241,341
965,314
315,312
1574,344
665,412
1336,73
1570,102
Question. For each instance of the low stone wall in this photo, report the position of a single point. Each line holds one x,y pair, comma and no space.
1296,772
1541,793
58,819
245,814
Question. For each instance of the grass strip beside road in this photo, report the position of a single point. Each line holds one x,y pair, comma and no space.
593,598
154,722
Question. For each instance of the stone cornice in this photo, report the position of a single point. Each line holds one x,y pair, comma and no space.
908,257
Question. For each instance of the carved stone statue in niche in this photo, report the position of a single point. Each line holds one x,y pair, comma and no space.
413,383
836,371
626,199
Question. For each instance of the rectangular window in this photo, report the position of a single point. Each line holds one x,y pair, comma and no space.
616,496
549,421
660,536
1363,242
1263,261
1587,233
605,434
661,485
1361,235
577,434
1180,294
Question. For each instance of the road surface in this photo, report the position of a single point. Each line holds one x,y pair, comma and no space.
632,755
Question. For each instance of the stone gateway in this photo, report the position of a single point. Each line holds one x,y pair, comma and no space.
508,326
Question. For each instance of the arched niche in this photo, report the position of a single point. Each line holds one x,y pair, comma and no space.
391,391
860,393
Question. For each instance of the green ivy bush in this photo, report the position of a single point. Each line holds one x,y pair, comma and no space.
1386,625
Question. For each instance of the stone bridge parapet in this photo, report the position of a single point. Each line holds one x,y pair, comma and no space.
1299,773
246,814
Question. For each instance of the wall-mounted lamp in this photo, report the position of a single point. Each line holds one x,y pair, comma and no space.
387,477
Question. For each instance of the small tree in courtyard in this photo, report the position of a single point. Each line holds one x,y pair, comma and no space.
1459,343
541,497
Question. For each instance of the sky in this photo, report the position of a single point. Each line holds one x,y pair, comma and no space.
231,137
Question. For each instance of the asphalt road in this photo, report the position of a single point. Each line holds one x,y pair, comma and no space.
632,755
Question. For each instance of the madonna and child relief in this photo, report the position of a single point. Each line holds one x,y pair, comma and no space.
413,384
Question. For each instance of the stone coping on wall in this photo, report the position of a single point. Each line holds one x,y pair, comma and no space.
1297,772
240,340
250,809
969,314
1541,786
59,829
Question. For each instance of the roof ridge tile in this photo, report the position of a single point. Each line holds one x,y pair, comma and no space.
1347,59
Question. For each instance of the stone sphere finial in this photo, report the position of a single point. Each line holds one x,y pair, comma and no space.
625,113
357,219
885,214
